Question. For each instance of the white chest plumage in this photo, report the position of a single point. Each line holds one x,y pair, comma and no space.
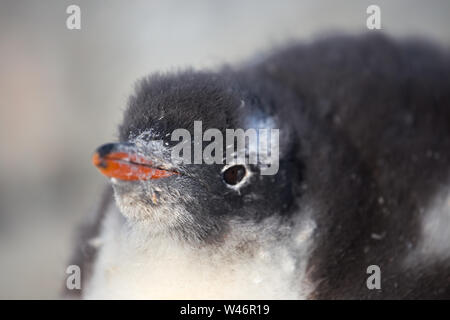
131,266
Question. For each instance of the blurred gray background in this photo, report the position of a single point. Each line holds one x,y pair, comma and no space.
62,93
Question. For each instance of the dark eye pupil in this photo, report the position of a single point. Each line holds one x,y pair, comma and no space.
234,174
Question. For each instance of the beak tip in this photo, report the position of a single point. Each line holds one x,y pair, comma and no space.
96,160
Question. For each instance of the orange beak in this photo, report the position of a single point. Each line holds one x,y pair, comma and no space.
115,161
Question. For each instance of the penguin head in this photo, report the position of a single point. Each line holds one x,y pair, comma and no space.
193,199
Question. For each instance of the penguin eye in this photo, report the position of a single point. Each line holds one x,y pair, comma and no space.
233,175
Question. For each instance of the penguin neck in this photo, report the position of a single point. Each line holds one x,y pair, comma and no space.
132,263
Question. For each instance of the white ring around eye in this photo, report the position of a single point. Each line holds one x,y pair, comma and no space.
244,180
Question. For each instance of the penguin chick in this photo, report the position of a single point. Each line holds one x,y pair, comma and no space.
363,179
